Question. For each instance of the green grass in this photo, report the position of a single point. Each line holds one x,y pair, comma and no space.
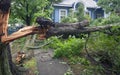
32,66
30,63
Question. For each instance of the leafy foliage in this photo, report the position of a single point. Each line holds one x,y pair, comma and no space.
28,10
67,48
70,47
54,1
110,5
103,46
76,16
56,42
79,60
106,50
80,12
113,18
71,18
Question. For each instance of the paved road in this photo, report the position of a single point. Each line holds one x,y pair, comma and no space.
49,66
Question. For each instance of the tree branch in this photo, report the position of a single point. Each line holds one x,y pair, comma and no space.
64,30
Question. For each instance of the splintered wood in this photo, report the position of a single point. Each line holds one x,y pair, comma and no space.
28,30
20,57
3,25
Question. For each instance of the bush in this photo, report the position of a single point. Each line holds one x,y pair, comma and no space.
68,48
69,19
106,50
104,21
55,42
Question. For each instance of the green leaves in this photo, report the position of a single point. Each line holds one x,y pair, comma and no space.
80,13
110,5
67,48
28,10
75,16
113,18
106,50
71,18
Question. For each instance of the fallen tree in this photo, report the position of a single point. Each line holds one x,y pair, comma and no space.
65,29
59,29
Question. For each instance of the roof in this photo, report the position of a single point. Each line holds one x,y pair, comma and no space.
66,3
70,3
89,3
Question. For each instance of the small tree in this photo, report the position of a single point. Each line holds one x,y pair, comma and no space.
80,12
28,10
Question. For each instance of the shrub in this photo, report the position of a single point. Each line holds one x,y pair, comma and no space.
70,47
69,19
106,50
55,42
104,21
79,60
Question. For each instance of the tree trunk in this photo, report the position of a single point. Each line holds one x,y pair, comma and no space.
4,62
28,20
7,67
5,56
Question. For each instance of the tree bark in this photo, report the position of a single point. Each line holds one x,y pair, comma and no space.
5,56
63,29
4,62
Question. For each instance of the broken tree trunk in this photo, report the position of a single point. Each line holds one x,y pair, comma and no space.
4,15
6,65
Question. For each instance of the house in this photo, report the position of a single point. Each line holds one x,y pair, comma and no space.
91,8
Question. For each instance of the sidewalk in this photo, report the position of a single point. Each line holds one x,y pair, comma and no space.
49,66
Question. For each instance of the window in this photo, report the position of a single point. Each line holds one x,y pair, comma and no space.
98,15
95,0
62,14
87,13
